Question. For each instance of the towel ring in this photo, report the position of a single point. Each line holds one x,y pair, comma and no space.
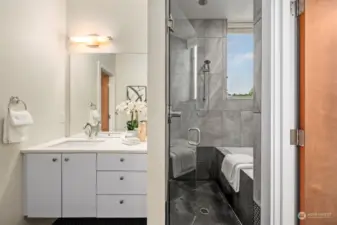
14,101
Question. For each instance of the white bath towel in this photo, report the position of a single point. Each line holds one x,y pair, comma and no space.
15,126
183,159
232,165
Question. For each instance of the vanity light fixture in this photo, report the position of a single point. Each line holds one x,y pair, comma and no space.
92,40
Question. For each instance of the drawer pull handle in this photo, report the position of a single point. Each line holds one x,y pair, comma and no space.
121,201
122,160
121,178
54,159
66,159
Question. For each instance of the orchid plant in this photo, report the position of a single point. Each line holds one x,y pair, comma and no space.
132,108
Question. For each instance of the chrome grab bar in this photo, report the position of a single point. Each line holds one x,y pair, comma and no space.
197,143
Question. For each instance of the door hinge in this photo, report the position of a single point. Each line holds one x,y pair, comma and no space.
170,23
297,7
297,137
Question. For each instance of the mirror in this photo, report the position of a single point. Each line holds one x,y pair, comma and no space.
136,93
104,81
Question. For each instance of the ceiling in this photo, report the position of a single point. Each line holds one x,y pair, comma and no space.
233,10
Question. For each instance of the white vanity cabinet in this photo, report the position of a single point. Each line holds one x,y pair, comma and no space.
43,185
60,185
77,185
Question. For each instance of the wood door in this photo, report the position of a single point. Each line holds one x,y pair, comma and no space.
105,102
318,112
43,185
78,185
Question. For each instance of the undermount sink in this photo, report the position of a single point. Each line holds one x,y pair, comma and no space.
77,143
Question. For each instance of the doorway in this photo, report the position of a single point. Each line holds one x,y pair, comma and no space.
106,93
318,120
105,115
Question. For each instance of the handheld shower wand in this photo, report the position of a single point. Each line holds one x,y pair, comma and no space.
205,69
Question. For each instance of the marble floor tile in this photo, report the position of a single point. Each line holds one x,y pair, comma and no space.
187,208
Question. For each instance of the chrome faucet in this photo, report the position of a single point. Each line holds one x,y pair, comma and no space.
93,129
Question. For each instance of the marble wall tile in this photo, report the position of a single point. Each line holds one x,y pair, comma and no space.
257,66
175,129
239,105
205,154
181,86
211,49
210,28
231,128
248,129
257,158
216,91
180,56
211,129
257,10
180,72
189,118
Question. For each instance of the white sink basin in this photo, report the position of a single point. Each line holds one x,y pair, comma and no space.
77,143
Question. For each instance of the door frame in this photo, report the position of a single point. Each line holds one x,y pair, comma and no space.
112,93
279,114
279,189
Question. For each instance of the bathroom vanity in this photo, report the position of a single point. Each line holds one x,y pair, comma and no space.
75,177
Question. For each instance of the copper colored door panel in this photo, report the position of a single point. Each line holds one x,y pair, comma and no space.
105,102
318,112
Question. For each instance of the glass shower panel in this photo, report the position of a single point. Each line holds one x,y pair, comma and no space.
184,135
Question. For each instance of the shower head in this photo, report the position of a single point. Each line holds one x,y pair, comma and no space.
202,2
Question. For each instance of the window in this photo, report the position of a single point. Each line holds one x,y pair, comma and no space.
240,64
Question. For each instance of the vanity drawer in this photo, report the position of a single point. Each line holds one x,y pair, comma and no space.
126,162
121,206
119,182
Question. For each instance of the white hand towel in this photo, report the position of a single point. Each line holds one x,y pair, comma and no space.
94,117
20,118
231,166
15,126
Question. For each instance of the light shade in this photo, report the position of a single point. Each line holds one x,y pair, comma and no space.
92,40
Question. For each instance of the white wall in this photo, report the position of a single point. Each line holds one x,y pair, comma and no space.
131,69
157,155
83,85
124,20
32,66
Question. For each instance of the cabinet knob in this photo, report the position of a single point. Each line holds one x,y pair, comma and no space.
66,159
54,159
121,201
122,160
121,178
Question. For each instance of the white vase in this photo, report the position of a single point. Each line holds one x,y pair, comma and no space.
132,133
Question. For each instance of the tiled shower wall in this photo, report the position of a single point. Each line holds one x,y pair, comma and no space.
227,122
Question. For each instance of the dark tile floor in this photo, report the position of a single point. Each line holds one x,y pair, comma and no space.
189,198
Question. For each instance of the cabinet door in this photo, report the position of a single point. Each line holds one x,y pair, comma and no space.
43,185
79,185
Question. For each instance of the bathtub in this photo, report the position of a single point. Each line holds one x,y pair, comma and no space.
236,150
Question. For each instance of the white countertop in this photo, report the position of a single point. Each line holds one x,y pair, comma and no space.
109,145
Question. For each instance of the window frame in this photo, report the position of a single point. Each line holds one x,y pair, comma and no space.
238,28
